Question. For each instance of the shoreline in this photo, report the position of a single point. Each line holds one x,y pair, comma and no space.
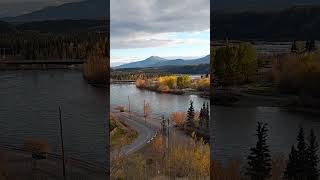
243,99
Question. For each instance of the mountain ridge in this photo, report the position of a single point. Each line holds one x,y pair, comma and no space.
88,9
155,61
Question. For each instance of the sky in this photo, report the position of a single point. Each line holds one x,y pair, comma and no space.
165,28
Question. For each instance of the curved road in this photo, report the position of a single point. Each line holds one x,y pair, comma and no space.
146,132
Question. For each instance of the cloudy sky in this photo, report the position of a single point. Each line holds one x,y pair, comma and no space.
165,28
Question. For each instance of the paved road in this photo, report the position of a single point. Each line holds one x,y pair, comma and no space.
146,132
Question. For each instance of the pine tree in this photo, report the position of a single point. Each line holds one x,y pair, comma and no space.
190,116
202,116
307,45
312,157
207,116
291,169
259,160
301,169
294,48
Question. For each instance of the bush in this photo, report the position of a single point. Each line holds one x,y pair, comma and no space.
297,74
37,146
178,118
203,84
183,81
164,88
140,83
95,69
236,64
170,81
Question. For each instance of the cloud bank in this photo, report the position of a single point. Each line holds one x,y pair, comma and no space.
148,23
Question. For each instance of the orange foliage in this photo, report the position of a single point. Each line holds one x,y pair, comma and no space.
178,118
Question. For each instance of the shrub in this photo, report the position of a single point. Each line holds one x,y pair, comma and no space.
178,118
297,74
164,88
203,84
170,81
183,81
140,83
236,64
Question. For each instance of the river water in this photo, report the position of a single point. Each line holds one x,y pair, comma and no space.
29,102
233,129
161,104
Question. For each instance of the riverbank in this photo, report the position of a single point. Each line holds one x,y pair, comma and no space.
244,97
38,66
13,158
120,133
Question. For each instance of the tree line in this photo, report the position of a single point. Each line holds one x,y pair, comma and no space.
203,119
302,163
34,45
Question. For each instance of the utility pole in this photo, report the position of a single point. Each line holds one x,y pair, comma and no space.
144,111
62,147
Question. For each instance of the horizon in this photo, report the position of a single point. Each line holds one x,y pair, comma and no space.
154,29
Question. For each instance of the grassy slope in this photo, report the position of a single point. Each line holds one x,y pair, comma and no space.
120,133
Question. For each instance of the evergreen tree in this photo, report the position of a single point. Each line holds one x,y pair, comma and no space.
301,169
312,157
310,45
202,116
259,160
190,116
294,48
207,116
291,169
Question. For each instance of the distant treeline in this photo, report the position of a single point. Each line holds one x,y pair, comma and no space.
135,75
300,22
56,26
148,73
33,45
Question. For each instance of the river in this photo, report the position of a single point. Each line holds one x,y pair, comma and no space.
161,104
29,102
233,129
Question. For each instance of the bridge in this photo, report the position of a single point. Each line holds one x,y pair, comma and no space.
29,62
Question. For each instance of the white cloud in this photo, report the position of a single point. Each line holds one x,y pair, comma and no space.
146,23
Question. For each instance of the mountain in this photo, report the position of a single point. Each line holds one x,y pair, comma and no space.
89,9
14,8
297,22
155,61
257,5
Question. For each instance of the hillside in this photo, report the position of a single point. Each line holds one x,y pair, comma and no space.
7,28
63,26
299,22
89,9
155,61
56,26
258,5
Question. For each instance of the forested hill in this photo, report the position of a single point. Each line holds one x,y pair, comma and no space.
87,9
7,28
299,22
56,26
